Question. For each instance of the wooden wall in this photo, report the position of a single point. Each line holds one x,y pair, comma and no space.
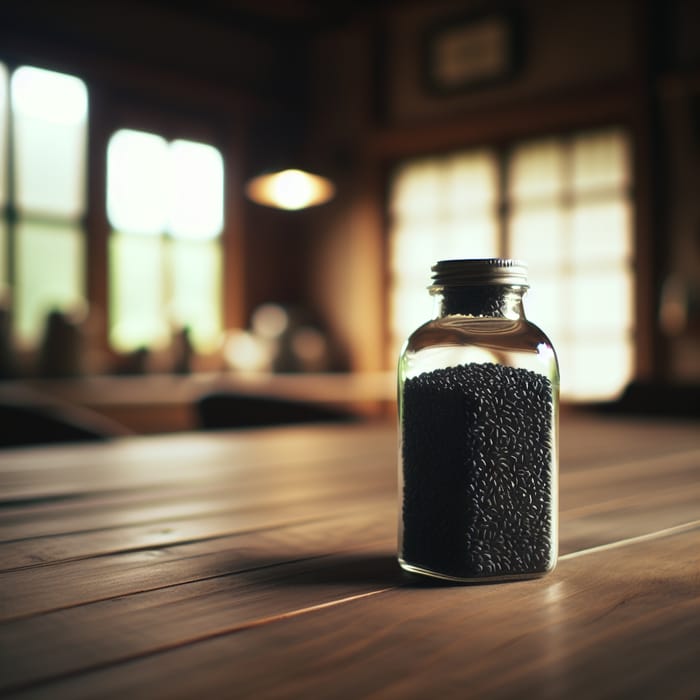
582,64
358,84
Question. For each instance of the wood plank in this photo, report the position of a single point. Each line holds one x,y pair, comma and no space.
587,439
667,488
631,512
190,458
171,531
150,462
142,623
225,478
149,622
601,504
636,503
174,591
186,586
605,624
66,584
153,505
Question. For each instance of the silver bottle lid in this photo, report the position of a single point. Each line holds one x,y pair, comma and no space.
461,273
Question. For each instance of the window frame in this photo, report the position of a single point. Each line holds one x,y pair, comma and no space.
111,113
504,202
615,103
165,244
151,96
11,212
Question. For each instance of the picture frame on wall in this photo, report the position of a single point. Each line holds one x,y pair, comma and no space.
465,53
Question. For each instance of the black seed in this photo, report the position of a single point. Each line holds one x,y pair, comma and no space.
477,471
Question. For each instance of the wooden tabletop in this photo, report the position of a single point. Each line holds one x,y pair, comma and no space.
261,564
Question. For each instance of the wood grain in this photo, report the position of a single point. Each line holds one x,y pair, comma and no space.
601,626
264,562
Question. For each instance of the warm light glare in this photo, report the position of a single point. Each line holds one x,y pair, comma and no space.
49,96
290,189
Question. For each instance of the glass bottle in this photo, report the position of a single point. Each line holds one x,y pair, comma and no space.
478,417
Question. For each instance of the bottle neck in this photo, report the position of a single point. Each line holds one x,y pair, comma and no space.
480,301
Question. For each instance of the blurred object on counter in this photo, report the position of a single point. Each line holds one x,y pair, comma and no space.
680,304
8,361
135,362
183,351
280,339
61,348
221,410
669,400
30,418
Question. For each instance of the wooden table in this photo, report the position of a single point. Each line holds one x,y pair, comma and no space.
262,565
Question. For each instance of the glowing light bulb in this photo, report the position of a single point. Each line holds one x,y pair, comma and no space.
290,189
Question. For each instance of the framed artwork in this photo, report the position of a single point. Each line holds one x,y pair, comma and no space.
469,52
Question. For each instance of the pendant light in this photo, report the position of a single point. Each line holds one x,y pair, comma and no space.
283,180
290,188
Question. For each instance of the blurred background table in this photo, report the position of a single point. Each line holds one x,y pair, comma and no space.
261,563
164,403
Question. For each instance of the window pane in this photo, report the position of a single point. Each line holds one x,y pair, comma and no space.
412,244
411,306
4,279
545,303
537,236
468,237
471,182
599,368
196,303
601,232
196,206
536,170
4,108
50,260
416,190
600,160
50,128
602,302
569,217
443,207
136,308
137,182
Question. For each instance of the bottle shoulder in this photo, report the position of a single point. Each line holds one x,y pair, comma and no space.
451,341
516,334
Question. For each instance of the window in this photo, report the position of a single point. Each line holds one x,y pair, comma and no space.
43,140
165,206
563,205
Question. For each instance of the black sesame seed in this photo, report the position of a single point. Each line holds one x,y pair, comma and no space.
477,471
